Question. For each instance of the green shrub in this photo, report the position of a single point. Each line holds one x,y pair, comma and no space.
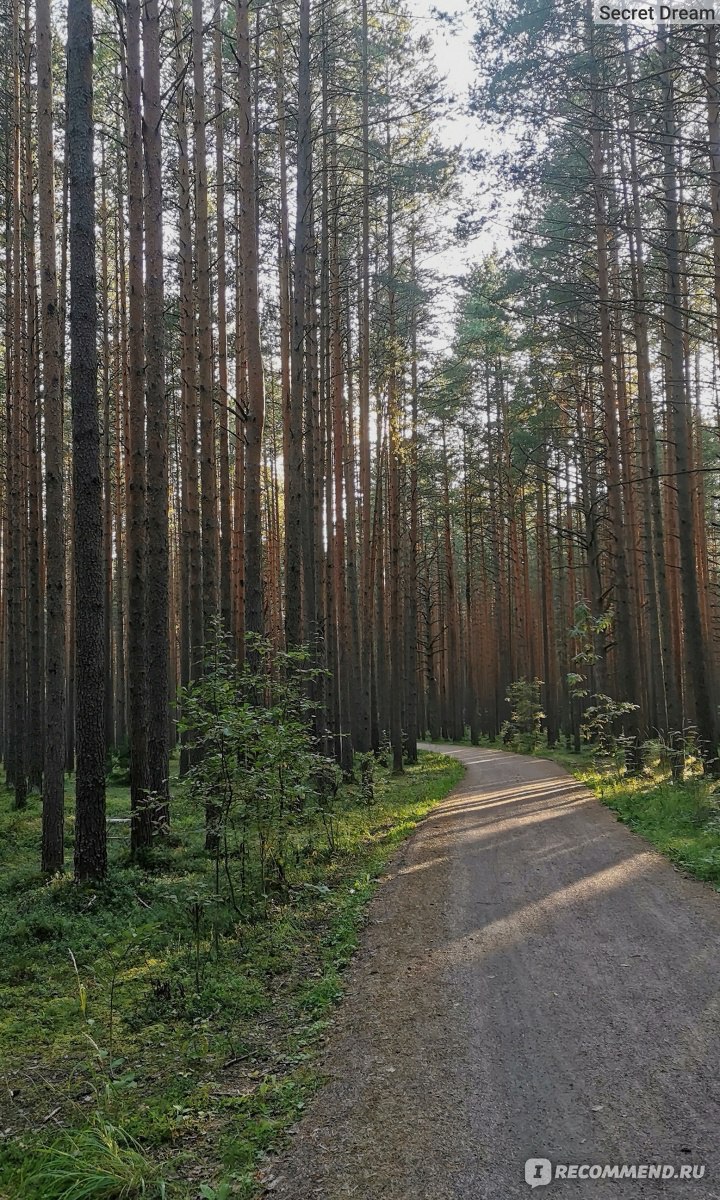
524,729
256,774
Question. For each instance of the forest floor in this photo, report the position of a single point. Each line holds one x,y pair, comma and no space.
149,1034
534,982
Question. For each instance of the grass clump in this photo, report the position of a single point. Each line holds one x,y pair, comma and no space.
97,1163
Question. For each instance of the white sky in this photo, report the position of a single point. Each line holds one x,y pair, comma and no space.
454,58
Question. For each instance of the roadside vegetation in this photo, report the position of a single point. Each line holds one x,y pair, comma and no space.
159,1029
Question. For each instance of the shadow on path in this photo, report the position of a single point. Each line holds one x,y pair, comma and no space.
534,981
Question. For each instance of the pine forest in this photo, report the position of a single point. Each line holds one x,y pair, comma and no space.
360,399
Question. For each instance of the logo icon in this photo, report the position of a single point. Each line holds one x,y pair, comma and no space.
538,1172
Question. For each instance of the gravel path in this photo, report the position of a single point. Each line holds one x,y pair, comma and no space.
534,981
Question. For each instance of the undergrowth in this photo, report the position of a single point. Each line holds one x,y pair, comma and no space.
153,1040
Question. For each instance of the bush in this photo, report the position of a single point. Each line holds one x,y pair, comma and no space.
255,771
524,729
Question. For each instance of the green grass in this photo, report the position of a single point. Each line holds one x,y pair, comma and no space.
98,1162
148,1033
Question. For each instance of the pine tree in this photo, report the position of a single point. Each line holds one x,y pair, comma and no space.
90,833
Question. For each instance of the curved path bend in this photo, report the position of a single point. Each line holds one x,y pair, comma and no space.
534,981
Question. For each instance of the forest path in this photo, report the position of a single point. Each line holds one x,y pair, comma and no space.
534,981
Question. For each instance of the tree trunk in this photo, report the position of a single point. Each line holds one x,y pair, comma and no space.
256,388
294,495
680,419
208,476
54,768
223,394
158,554
141,820
90,833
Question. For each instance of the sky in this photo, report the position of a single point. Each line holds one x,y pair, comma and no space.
452,42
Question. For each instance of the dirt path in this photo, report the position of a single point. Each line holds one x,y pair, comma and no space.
533,982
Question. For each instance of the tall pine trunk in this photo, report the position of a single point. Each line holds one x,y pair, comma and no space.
208,476
90,832
54,767
141,819
295,498
158,554
256,388
698,673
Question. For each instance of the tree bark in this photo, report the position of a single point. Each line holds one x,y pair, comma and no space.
208,476
90,833
141,821
295,498
680,421
54,767
158,554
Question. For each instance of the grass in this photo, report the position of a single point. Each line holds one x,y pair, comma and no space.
681,818
152,1041
97,1163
